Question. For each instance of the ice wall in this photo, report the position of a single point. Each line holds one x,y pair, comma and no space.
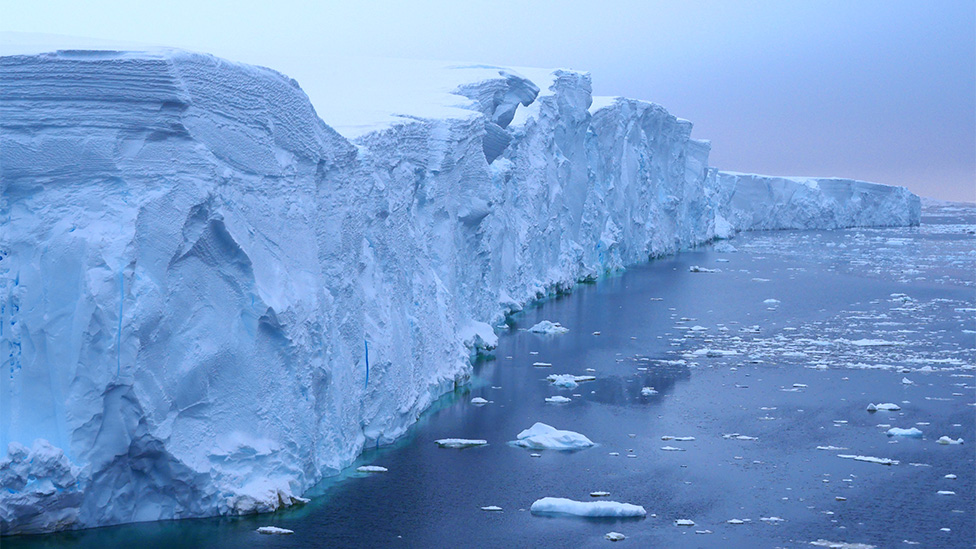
762,202
192,265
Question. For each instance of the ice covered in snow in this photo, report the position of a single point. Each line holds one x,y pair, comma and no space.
547,327
563,506
913,432
371,469
949,440
460,443
240,288
615,536
545,437
568,381
558,399
274,531
884,406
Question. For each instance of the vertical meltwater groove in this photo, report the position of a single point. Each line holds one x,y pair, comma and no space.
366,345
118,337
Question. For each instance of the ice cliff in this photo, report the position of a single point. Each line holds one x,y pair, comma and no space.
194,266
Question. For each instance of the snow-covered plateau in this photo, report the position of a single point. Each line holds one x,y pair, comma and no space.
211,299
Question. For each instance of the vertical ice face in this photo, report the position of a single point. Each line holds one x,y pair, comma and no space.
193,264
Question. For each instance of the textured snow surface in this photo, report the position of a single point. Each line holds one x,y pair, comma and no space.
563,506
194,266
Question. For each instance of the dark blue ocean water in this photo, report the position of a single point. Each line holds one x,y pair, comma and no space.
859,312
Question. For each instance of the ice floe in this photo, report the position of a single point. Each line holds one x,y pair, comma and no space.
615,536
545,437
460,442
910,432
558,399
949,440
371,469
274,531
548,327
564,506
869,459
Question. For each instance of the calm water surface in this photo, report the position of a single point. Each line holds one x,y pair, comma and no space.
858,315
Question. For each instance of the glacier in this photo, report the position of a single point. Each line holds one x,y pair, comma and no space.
216,291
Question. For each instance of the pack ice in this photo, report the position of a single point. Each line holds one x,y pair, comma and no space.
195,266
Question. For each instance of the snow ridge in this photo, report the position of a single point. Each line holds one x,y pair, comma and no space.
192,260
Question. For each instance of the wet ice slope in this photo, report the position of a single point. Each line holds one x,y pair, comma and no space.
195,267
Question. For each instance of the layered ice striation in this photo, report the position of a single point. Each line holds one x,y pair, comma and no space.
194,267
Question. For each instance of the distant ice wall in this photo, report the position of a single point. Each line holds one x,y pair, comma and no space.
762,202
192,265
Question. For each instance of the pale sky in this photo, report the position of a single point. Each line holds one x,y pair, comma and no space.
883,91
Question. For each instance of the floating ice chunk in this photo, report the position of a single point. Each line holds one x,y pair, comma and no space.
772,520
713,353
599,494
460,442
948,440
568,381
831,448
545,437
542,364
596,333
703,531
870,459
615,536
737,436
771,301
906,381
371,469
677,439
841,544
950,476
760,280
684,522
563,506
274,531
724,247
910,432
946,493
558,399
478,401
491,508
697,269
547,327
648,391
885,407
672,449
873,343
735,521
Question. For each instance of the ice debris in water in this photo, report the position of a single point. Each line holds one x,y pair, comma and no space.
648,391
698,269
478,401
568,381
558,399
910,432
672,449
907,381
884,407
542,364
274,530
737,436
684,522
547,327
371,469
564,506
841,545
870,459
599,494
460,442
491,508
615,536
771,301
723,247
545,437
949,440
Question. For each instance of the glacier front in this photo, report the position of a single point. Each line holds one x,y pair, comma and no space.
194,266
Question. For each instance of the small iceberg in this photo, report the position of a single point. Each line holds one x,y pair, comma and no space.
558,399
883,407
615,536
910,432
460,443
870,459
648,391
478,401
698,269
371,469
549,328
568,381
545,437
684,522
274,531
599,494
563,506
493,508
948,440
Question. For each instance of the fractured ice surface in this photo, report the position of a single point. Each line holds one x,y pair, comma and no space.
194,266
